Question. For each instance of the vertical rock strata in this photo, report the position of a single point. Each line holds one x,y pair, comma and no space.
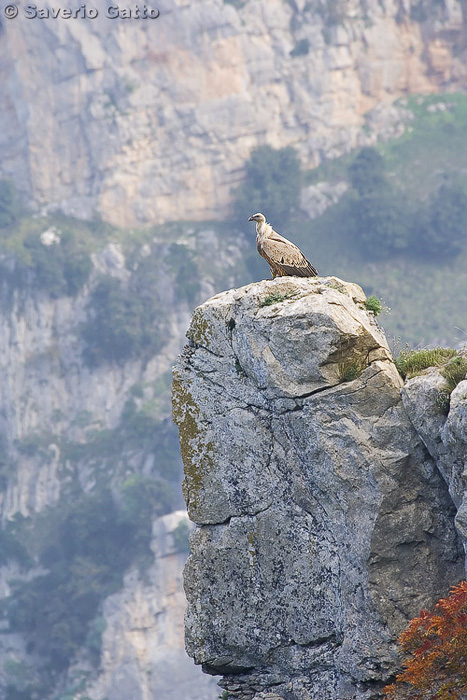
146,121
323,523
444,436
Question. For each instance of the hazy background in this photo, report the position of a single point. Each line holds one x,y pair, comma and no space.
132,152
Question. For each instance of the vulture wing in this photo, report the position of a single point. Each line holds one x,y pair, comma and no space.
285,257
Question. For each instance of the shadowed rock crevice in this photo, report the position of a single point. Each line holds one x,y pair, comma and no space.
445,436
323,522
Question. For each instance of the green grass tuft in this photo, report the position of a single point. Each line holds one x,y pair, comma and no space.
337,287
274,298
374,304
413,362
455,372
351,369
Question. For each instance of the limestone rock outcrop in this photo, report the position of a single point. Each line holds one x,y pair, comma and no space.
323,524
444,436
148,120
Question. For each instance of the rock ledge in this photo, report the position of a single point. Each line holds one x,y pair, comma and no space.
323,523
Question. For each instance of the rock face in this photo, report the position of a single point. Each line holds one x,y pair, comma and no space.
323,522
49,393
59,418
142,646
50,396
142,656
149,120
444,437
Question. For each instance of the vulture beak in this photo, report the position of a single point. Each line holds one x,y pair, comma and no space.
251,218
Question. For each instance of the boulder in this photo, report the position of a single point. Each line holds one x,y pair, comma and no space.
323,524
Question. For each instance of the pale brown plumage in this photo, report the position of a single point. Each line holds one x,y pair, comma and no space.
282,256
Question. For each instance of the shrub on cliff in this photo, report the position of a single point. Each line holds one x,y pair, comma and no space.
121,322
379,216
61,268
436,645
383,221
86,548
374,304
442,227
10,208
272,185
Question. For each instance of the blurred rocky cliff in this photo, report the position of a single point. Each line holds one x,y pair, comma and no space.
329,508
93,541
143,121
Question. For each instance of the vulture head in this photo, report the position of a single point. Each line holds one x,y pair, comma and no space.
259,218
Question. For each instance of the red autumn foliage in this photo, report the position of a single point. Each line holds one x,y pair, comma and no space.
436,643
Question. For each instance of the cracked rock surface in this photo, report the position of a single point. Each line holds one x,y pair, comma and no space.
445,436
323,524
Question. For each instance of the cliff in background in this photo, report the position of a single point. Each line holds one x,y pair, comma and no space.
90,467
325,501
136,122
144,121
143,654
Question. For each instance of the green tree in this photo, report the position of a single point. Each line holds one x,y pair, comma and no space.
46,264
272,185
182,262
112,331
77,264
120,323
380,222
60,268
142,500
367,172
442,228
124,320
379,215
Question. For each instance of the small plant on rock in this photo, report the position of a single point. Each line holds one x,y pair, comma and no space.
351,369
410,363
274,298
413,362
374,304
455,372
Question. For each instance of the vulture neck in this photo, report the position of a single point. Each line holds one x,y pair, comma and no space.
263,230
